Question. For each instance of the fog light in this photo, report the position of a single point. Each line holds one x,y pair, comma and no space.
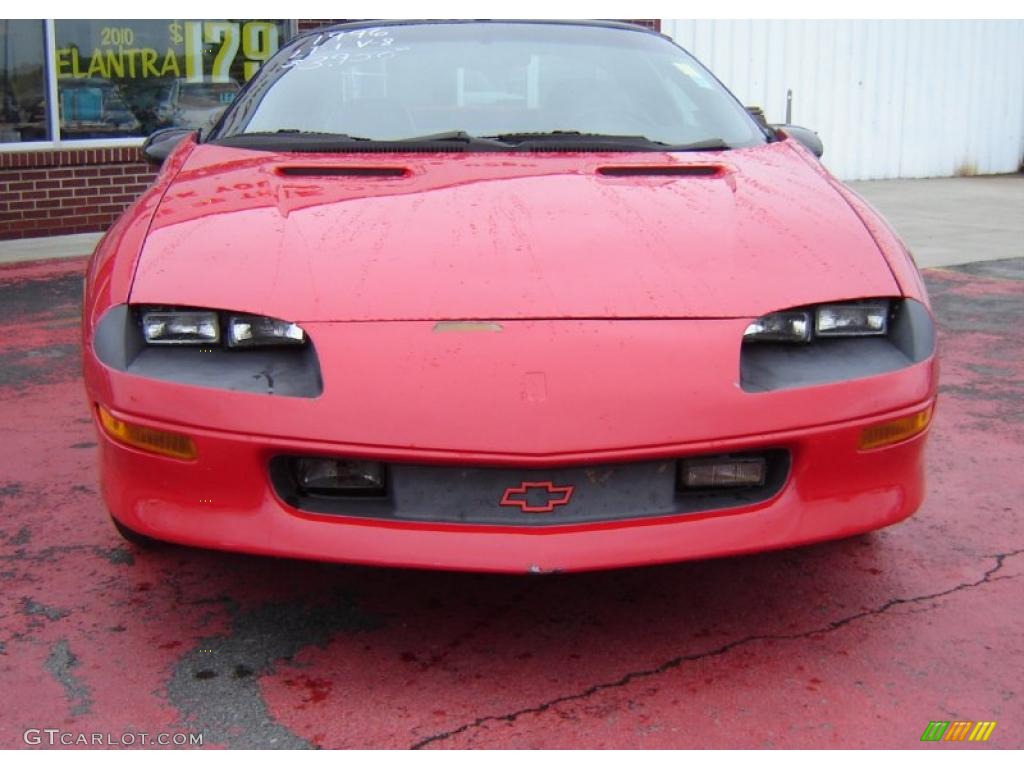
146,439
340,476
894,431
722,471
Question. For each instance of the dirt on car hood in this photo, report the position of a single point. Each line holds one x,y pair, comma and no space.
364,237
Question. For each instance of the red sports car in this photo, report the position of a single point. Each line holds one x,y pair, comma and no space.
496,296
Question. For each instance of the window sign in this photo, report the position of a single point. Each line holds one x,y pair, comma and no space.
121,79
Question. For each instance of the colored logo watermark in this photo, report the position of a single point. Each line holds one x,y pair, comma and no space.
958,730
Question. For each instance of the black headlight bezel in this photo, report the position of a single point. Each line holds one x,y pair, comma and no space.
910,339
279,370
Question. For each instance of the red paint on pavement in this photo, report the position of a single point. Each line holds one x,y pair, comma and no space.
854,643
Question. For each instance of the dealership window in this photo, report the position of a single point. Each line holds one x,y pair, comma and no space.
23,88
106,82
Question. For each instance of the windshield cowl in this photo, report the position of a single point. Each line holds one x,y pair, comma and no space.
460,141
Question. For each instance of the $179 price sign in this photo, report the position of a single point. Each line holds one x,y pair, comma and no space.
257,39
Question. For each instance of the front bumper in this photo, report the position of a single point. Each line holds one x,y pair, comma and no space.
225,500
536,395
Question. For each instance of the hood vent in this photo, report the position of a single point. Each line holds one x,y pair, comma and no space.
382,172
660,170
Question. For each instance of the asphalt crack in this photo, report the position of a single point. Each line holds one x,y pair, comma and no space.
678,661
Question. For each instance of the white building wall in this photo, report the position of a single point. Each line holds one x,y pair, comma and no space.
890,99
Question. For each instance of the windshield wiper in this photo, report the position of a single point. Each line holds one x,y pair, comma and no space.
293,139
708,144
462,137
573,138
576,137
301,132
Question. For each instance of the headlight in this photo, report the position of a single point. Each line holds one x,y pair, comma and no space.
180,327
780,326
852,318
203,327
253,330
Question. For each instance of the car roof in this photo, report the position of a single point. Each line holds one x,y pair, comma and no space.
369,23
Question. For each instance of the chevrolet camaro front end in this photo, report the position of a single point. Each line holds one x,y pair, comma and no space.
519,297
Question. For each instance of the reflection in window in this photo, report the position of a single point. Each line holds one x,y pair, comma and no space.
22,82
121,79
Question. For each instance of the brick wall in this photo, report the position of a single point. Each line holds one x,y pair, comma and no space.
61,192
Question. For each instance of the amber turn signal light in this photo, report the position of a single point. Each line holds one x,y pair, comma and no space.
889,432
146,439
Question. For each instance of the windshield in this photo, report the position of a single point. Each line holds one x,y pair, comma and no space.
462,80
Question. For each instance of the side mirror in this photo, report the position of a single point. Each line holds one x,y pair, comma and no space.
805,136
160,143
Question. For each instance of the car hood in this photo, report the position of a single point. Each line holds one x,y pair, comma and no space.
364,237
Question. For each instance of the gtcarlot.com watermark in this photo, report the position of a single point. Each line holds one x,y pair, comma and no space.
54,737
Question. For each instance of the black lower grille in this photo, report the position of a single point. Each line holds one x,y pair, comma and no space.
529,497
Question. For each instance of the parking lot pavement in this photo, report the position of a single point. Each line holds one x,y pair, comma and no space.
38,248
857,643
956,220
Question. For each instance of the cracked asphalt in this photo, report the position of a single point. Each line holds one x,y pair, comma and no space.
856,643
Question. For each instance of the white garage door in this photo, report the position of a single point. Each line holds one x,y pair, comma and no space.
891,99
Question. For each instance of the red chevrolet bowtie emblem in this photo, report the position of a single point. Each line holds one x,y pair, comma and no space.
554,496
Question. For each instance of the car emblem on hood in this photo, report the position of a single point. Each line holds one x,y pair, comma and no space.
547,492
